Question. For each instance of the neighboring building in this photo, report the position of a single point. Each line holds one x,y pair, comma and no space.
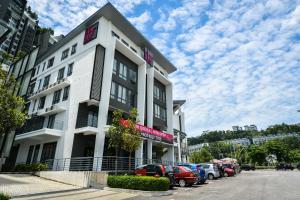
102,65
196,147
251,127
237,128
261,140
181,148
239,141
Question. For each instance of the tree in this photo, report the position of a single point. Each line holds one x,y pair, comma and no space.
201,156
160,151
131,136
257,155
11,106
115,134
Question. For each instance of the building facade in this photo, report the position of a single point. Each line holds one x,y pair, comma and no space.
102,65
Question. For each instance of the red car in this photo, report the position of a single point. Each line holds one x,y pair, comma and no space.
184,176
228,172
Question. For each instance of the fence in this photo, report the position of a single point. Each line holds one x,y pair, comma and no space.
108,163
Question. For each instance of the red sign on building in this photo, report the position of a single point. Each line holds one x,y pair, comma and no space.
148,56
91,33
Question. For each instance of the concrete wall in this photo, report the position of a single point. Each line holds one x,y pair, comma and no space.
81,179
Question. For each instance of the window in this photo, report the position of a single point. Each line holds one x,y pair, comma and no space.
46,81
131,98
125,42
50,62
40,83
159,93
132,75
93,119
61,73
51,121
29,156
33,107
156,92
38,70
66,93
160,112
115,67
36,153
64,54
70,69
123,71
113,90
56,97
73,50
122,94
115,35
44,66
133,49
42,102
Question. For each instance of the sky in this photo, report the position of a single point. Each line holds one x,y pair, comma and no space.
238,60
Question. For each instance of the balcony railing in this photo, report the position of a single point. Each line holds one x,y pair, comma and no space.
50,88
30,127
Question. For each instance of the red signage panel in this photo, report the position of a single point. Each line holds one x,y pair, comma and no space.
91,33
148,56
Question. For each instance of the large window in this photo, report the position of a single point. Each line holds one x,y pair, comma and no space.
93,119
66,93
46,81
73,50
122,94
61,73
50,62
51,121
70,69
115,67
42,102
159,93
56,97
123,71
64,54
160,112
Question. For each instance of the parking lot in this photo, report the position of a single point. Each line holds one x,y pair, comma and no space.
258,185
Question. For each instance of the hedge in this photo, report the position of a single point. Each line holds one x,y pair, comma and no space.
146,183
265,167
31,167
4,196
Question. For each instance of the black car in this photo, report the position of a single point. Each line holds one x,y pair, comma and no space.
284,166
247,167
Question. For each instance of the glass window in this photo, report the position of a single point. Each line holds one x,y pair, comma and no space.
44,66
70,69
56,97
51,121
38,70
115,67
46,81
64,54
73,50
122,94
66,93
113,90
123,71
92,119
61,73
33,107
160,112
40,83
132,75
42,102
50,62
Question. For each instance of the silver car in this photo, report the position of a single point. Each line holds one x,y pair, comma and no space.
211,171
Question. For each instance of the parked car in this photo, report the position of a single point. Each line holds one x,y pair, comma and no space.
198,170
284,166
157,170
228,172
298,166
184,176
247,167
211,170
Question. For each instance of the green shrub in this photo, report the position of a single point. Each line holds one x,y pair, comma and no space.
31,167
4,196
146,183
264,167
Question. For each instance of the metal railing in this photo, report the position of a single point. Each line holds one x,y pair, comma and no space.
107,163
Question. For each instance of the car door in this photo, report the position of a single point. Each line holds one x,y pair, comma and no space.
151,170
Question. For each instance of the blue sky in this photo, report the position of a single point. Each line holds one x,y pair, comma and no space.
238,60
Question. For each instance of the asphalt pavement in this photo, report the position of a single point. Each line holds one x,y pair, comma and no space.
253,185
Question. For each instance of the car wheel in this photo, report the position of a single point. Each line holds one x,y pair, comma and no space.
182,183
225,174
210,176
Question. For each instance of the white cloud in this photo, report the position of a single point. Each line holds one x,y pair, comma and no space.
140,21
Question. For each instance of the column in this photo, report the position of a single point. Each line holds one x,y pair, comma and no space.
169,101
104,103
150,85
149,151
139,155
179,147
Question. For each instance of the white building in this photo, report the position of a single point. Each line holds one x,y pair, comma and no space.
102,65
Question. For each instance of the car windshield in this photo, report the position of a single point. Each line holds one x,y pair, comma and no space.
187,169
169,168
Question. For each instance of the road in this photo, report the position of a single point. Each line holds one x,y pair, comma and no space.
257,185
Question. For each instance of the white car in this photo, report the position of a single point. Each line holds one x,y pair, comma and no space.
211,171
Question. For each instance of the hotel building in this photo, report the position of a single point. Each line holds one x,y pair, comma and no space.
73,88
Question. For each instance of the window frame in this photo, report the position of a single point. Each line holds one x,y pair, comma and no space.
65,54
56,97
70,69
73,49
60,74
50,62
66,93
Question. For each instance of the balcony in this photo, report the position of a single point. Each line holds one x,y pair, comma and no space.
41,133
54,109
51,88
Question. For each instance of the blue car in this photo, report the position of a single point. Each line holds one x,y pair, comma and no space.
198,170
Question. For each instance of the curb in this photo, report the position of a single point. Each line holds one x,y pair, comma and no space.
140,192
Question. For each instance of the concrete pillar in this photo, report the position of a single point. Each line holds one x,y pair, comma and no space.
149,150
179,147
139,155
104,103
150,86
141,93
169,102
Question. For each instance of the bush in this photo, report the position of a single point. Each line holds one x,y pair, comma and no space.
31,167
4,196
264,167
146,183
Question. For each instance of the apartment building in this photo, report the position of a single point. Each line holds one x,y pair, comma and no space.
102,65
